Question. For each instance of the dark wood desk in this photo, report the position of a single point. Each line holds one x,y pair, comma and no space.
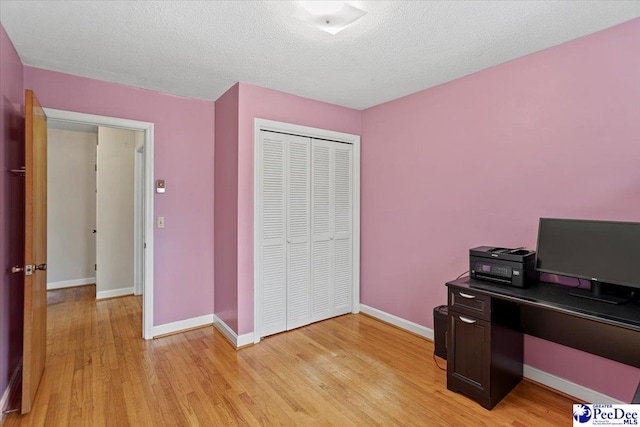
487,322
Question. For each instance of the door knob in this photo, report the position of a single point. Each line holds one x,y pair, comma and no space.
42,267
17,269
94,231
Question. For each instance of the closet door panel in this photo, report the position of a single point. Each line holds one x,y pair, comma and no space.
320,281
298,221
321,189
343,273
342,203
321,227
274,294
343,191
273,310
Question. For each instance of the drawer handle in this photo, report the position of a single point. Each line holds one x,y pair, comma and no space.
465,320
463,295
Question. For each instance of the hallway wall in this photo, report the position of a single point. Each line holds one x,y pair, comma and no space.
71,207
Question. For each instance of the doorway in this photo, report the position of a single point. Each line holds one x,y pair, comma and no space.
144,159
94,210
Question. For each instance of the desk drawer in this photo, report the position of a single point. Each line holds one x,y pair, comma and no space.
469,302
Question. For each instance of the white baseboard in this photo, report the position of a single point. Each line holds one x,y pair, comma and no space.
71,283
114,293
534,374
235,339
567,387
244,339
182,325
423,331
13,383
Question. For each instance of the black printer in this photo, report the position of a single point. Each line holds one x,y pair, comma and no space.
514,267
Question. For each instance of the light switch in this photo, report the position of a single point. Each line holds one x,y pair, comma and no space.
160,222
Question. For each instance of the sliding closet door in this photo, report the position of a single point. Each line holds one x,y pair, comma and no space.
343,228
273,254
332,229
298,269
304,231
285,287
321,230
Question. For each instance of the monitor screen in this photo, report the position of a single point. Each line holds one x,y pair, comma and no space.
602,251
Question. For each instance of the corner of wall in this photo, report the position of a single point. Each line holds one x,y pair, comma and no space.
11,156
225,207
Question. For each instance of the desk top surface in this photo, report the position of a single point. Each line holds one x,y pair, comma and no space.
556,297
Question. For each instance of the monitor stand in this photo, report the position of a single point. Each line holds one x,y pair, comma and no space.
596,294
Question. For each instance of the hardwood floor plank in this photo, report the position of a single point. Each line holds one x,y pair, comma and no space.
349,371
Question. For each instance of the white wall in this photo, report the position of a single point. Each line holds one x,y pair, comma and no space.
115,219
71,208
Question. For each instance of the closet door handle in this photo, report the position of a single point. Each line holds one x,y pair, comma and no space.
463,295
288,240
466,320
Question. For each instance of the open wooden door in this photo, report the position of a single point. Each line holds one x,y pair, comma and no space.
35,257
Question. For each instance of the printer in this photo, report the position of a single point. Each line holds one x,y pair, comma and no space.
513,267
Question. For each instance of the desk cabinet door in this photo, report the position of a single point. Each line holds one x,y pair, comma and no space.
468,356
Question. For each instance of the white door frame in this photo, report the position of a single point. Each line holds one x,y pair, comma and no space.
263,124
138,215
148,129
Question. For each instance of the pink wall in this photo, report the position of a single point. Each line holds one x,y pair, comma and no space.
226,208
257,102
184,134
11,208
479,160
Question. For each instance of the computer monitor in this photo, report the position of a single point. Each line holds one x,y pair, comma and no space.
604,252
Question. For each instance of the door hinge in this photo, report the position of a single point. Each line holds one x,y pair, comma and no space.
95,267
96,166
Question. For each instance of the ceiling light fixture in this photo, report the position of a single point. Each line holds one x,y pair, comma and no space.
330,16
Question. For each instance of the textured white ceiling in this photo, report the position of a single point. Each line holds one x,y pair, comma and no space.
200,49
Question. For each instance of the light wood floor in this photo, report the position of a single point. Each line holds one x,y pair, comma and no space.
348,371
